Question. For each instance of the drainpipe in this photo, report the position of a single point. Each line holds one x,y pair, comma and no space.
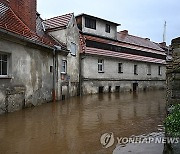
54,76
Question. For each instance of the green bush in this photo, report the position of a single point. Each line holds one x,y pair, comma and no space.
172,122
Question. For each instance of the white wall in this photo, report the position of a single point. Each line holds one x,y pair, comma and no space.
90,69
100,29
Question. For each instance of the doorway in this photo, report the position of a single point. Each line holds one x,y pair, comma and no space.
135,85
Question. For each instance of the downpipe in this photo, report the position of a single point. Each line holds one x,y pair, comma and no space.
54,76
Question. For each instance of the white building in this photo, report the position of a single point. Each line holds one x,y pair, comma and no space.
116,61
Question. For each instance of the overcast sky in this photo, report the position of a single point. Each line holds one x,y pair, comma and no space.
144,18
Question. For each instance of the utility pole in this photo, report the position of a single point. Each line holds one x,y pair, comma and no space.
164,33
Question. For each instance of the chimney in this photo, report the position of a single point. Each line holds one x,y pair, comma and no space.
148,39
125,32
163,44
26,11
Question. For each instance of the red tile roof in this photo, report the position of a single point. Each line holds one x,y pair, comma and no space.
108,53
96,51
158,50
123,36
57,22
10,22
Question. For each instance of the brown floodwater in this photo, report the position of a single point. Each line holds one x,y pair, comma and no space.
76,125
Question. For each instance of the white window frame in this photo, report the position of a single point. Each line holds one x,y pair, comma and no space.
100,65
1,76
64,67
73,47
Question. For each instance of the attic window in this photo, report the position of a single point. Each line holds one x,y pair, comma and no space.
90,23
108,28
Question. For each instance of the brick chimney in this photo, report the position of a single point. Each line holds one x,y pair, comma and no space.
26,11
125,32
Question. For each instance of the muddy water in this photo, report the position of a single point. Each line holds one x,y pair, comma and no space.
76,125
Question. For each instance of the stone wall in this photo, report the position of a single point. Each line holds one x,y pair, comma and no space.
173,74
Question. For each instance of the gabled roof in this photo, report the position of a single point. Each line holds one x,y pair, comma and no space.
58,22
123,36
11,23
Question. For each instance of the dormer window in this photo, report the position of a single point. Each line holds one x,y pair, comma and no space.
90,23
108,28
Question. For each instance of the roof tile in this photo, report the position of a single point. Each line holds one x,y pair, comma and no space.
59,21
10,22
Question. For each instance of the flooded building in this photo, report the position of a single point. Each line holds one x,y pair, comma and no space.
29,58
117,61
64,56
64,29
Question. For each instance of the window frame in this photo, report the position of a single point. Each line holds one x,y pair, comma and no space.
120,67
90,23
101,63
135,69
108,28
159,70
75,45
7,66
149,69
64,67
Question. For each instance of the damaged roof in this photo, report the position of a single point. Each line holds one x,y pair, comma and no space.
58,22
11,23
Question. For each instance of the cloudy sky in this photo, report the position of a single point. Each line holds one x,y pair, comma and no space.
144,18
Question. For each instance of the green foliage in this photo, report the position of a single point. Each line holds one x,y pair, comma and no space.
172,122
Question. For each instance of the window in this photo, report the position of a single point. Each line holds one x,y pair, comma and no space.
159,70
135,70
117,88
148,69
51,69
101,66
108,28
120,69
3,65
90,23
64,67
101,89
73,48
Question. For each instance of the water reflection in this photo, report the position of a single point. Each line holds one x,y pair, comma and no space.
75,125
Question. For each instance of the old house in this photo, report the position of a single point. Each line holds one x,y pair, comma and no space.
64,29
117,61
29,58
